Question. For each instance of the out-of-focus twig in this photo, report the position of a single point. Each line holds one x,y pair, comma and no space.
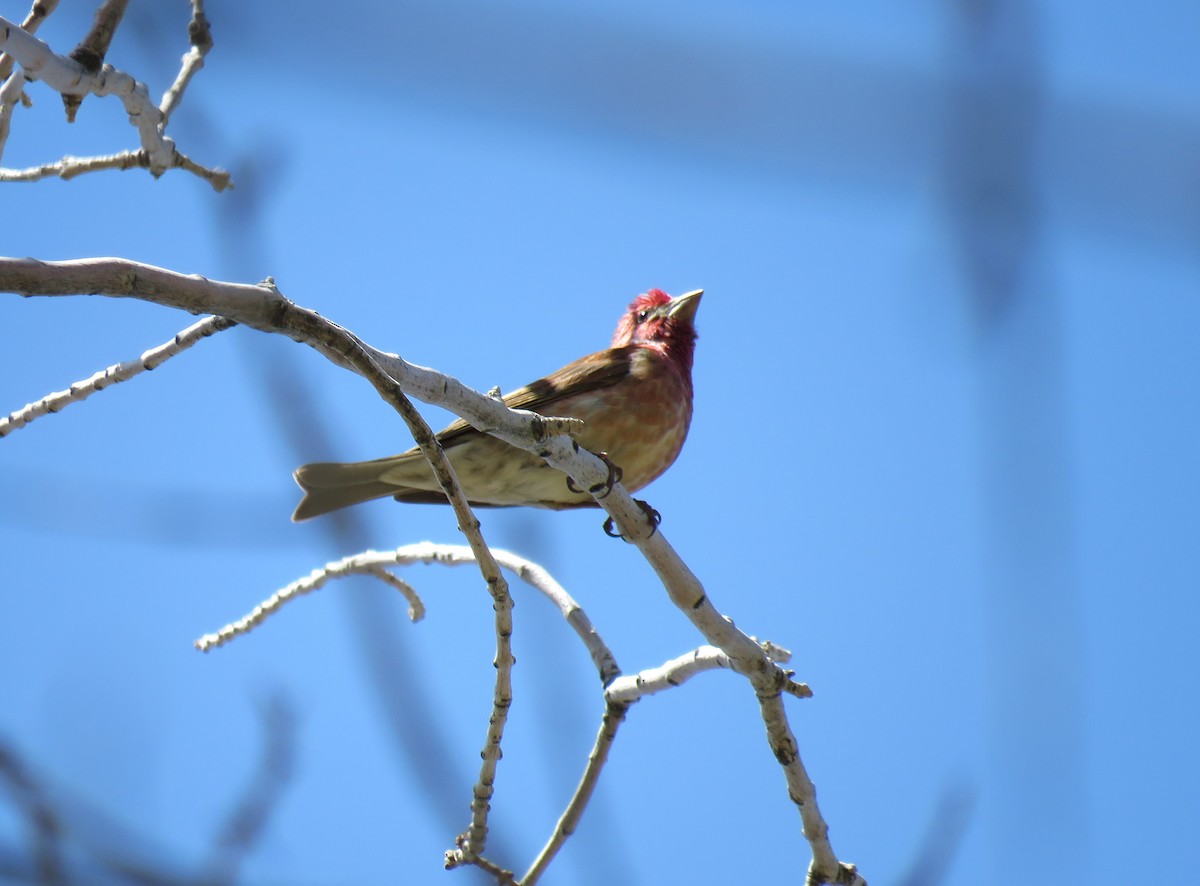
200,37
43,819
251,814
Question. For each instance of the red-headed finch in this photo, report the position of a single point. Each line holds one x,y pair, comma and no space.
635,400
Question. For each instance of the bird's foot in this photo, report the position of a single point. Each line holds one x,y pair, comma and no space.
610,528
600,490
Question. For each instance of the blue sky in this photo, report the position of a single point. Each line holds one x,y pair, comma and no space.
944,446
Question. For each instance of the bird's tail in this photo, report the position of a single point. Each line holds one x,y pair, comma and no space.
329,486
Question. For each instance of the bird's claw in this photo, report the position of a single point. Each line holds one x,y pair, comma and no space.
602,489
610,527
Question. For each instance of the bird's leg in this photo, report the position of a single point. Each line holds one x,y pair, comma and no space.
610,528
600,490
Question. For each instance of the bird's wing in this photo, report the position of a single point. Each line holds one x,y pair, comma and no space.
588,373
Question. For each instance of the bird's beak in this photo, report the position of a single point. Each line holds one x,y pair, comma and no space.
683,307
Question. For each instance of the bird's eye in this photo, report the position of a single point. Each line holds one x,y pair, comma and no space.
642,315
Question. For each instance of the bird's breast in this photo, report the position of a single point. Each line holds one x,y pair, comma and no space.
640,422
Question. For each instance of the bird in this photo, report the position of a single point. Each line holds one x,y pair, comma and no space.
635,400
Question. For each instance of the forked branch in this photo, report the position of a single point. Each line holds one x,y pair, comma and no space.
24,58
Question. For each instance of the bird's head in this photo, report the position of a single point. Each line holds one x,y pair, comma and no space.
657,320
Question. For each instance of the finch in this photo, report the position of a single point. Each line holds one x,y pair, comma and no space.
635,400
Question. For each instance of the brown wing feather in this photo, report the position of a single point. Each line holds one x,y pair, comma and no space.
588,373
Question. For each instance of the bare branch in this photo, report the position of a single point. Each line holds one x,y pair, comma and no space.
250,816
11,91
416,608
94,46
373,563
44,821
38,13
69,77
614,716
944,832
824,867
200,36
65,852
676,672
458,857
69,167
366,563
72,79
115,374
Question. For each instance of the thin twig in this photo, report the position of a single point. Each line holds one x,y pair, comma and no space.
674,673
11,90
459,857
69,167
200,37
38,13
115,374
614,715
69,78
44,821
249,818
824,867
943,837
374,563
366,563
354,352
93,48
416,608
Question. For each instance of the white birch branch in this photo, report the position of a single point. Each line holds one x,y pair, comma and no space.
614,716
366,563
69,167
67,77
115,374
11,91
200,36
676,672
70,79
374,563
